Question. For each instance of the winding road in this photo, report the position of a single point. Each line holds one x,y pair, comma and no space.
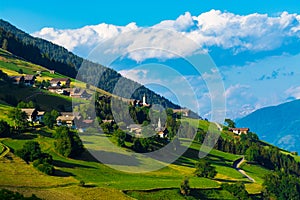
237,164
219,126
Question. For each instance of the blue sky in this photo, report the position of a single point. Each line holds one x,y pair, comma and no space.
34,15
254,44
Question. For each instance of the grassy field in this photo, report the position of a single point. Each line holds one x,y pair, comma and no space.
296,157
101,179
16,175
4,110
175,194
103,176
208,126
221,160
1,148
257,172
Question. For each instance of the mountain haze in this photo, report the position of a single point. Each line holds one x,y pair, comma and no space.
279,125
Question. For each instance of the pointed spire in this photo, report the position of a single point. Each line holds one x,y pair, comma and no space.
144,99
159,124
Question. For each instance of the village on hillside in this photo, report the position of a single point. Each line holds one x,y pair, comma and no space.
75,120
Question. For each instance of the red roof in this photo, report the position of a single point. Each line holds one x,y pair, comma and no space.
239,129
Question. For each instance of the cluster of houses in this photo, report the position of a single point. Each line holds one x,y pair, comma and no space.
27,80
57,85
33,115
143,103
160,130
64,119
183,112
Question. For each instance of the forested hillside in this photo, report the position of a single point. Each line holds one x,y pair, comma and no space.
278,125
55,57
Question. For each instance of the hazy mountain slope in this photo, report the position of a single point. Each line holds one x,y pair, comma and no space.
279,125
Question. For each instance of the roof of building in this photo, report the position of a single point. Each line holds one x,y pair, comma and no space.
131,126
77,91
60,79
239,129
29,77
65,118
107,120
40,112
88,121
17,78
77,115
28,111
54,87
181,110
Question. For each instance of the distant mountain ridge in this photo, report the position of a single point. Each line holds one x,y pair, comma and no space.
279,125
55,57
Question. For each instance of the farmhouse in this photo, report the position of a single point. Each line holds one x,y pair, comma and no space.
135,128
239,131
183,112
40,116
60,82
163,133
66,120
79,93
31,113
107,121
29,80
17,80
58,90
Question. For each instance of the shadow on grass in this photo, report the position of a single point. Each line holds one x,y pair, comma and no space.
60,173
62,164
112,158
182,161
191,155
26,136
86,156
89,186
44,133
229,181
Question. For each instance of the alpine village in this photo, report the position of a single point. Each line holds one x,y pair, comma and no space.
46,149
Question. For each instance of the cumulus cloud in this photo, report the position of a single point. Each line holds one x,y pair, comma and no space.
254,32
87,36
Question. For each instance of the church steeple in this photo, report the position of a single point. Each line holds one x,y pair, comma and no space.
159,124
144,100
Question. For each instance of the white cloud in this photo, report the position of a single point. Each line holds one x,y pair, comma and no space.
86,37
293,91
253,32
135,74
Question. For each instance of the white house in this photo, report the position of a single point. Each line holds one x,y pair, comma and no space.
239,131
